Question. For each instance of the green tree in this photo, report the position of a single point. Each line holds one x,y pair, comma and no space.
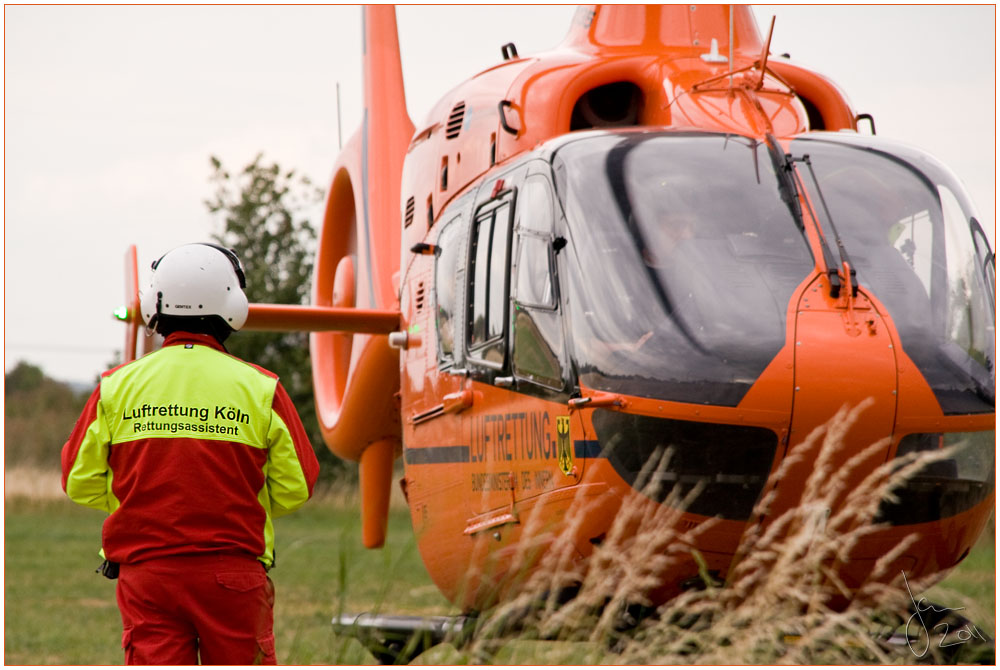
264,214
39,415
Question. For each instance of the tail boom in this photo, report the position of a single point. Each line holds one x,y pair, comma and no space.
311,318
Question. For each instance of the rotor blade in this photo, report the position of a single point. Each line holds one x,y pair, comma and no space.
387,134
132,318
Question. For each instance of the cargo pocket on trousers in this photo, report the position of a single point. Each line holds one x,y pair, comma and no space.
241,581
265,651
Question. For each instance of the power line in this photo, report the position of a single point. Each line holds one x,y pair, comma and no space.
57,348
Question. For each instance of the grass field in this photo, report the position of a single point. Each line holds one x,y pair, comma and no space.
58,611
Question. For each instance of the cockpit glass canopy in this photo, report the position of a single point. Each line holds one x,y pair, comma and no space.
913,238
687,257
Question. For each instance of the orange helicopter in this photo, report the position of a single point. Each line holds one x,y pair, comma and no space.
655,235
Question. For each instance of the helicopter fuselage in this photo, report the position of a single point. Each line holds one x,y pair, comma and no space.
668,296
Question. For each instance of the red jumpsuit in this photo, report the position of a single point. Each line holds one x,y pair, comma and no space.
192,452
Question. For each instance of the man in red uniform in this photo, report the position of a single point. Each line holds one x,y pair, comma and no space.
192,452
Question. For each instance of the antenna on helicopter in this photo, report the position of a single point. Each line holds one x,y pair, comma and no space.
762,61
732,32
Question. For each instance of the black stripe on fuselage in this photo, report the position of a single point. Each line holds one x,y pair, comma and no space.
436,455
460,454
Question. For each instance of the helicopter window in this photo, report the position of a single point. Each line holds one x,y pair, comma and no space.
684,258
959,480
444,283
534,223
671,457
912,236
537,339
534,274
488,270
534,206
537,326
480,278
986,257
498,273
905,222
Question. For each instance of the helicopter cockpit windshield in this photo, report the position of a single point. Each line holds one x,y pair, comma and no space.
915,242
688,257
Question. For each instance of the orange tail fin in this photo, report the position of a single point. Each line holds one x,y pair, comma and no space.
357,265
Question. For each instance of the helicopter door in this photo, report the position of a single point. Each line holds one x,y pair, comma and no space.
489,249
489,426
538,358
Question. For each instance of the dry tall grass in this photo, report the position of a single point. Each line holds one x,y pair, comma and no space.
34,483
776,607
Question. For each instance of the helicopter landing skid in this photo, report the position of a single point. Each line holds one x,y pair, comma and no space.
939,635
398,639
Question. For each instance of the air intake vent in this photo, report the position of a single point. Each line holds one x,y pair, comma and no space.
411,207
455,121
419,297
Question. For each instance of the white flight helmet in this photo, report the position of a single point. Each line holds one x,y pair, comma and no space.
197,280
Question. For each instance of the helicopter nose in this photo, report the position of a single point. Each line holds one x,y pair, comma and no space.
843,358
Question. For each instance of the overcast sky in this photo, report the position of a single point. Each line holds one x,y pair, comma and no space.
111,114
